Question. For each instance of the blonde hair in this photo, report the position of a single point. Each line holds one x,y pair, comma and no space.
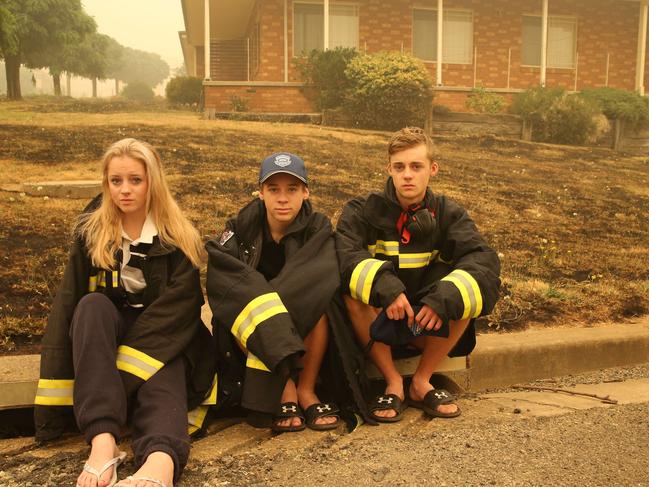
409,137
102,228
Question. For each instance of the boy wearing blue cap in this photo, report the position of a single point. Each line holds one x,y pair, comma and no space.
413,265
271,276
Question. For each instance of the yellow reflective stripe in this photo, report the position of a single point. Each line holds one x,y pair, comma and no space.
469,290
196,418
254,363
101,279
389,247
416,260
256,311
115,278
137,363
210,400
52,392
92,284
360,284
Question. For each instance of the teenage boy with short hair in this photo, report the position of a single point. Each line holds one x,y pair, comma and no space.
419,256
270,278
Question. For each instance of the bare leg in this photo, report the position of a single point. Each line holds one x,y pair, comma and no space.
315,345
435,349
362,315
158,465
103,448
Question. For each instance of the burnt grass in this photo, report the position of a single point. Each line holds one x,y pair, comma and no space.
570,223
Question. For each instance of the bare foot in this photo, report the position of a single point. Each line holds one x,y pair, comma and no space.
289,395
393,387
308,398
103,448
158,466
419,388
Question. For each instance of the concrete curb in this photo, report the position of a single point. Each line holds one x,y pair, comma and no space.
499,359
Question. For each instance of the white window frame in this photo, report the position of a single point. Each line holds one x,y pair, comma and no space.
575,22
316,2
444,58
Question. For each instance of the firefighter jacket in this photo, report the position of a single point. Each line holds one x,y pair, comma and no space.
449,267
259,325
169,325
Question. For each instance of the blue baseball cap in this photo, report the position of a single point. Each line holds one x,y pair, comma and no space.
283,162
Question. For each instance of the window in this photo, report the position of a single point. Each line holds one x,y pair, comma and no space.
457,36
562,35
308,26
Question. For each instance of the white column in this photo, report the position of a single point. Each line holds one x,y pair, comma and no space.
208,68
286,41
440,40
642,49
326,24
544,42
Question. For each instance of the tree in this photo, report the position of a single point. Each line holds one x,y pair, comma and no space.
32,30
90,59
142,66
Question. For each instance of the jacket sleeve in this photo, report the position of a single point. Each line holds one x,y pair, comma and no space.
168,324
56,381
471,288
245,303
363,277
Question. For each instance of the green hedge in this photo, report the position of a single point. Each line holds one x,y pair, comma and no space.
137,91
184,90
387,91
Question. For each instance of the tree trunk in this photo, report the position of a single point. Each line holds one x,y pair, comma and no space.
68,87
94,87
56,79
12,69
116,87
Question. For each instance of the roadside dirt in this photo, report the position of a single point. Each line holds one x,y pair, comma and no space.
569,223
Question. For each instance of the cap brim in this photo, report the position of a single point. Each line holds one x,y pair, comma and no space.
283,171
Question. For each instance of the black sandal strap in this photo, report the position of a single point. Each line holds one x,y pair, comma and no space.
321,410
438,397
385,402
288,410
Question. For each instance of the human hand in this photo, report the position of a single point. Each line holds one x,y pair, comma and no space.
428,319
399,309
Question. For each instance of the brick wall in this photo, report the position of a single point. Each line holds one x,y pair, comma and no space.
262,99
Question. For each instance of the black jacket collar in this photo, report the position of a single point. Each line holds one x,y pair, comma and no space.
251,220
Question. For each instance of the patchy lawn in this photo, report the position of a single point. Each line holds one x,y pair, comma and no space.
570,223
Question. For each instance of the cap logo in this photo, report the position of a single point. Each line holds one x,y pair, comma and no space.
282,160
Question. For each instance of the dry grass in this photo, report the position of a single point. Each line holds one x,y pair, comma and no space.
571,223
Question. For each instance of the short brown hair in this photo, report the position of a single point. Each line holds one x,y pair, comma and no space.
409,137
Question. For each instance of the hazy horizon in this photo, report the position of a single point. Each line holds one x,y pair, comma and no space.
148,25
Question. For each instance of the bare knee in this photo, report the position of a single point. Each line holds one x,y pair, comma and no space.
354,306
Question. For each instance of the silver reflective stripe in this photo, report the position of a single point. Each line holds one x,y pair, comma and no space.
361,278
121,357
250,319
387,247
54,392
469,289
405,259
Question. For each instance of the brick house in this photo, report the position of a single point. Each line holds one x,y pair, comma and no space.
505,46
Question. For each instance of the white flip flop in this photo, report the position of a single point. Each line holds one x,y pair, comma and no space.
116,462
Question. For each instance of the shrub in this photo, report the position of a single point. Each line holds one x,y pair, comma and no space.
325,72
137,91
627,106
571,120
558,117
482,101
239,104
388,91
533,105
184,90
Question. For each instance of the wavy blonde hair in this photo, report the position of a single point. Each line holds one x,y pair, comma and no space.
102,229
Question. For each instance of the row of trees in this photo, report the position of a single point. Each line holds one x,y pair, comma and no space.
61,36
